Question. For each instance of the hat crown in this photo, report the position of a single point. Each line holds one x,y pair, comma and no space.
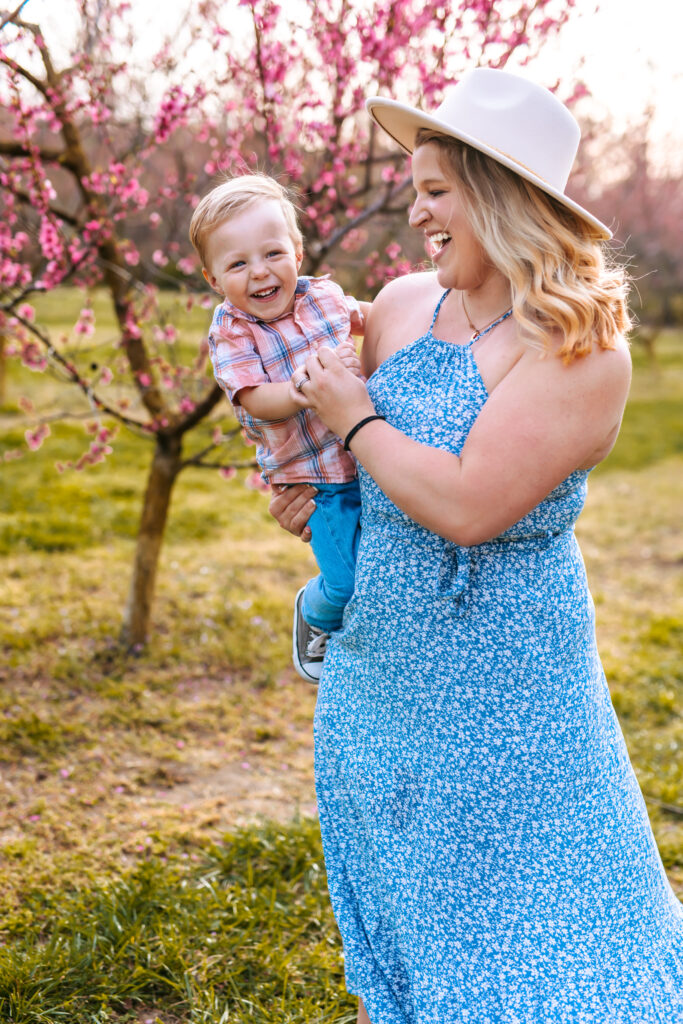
522,121
512,120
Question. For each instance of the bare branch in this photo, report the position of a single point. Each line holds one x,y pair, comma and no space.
62,214
202,409
199,456
53,156
10,17
380,205
37,83
72,373
201,464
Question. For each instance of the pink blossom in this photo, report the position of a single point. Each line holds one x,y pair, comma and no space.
84,327
227,472
186,265
159,258
132,328
144,379
35,438
255,482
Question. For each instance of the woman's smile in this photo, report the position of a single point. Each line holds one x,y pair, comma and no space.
437,243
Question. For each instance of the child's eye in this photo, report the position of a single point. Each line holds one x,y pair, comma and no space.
236,265
274,252
436,192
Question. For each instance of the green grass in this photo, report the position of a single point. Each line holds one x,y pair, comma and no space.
242,933
160,852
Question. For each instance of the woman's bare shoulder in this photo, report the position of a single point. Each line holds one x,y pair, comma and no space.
404,290
400,313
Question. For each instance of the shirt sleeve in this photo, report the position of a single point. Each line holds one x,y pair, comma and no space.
236,362
354,309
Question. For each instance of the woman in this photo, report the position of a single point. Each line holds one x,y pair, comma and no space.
488,852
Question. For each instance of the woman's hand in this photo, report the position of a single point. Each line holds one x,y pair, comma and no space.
338,397
293,507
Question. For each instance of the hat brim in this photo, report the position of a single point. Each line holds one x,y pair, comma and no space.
402,123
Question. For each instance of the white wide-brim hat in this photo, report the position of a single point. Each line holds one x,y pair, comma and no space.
517,122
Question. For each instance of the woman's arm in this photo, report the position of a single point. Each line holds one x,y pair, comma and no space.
541,422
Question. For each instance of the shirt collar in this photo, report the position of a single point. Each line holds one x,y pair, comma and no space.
303,285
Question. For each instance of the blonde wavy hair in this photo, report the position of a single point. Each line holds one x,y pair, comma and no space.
561,275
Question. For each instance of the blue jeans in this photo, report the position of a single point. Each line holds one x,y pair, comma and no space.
335,529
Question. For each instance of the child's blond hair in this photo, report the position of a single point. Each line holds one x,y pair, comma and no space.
231,197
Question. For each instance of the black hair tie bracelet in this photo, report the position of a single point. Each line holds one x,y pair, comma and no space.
354,430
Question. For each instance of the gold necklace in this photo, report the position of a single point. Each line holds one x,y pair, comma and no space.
479,332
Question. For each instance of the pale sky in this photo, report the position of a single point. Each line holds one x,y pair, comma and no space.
631,52
630,49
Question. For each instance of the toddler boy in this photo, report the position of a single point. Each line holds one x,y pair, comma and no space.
246,234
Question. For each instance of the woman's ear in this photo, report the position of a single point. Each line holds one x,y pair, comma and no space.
299,257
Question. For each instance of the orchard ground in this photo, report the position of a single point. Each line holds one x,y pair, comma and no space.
160,854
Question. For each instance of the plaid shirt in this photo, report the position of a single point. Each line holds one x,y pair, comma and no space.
246,352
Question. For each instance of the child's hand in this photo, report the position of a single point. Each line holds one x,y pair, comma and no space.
359,317
348,357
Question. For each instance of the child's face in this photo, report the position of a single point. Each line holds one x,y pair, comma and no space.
252,261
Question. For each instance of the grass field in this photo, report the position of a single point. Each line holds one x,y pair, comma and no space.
159,857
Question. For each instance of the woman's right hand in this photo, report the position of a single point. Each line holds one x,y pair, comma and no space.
292,506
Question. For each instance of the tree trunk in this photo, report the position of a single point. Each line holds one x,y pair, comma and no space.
162,476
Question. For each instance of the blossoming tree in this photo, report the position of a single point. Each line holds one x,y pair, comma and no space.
105,146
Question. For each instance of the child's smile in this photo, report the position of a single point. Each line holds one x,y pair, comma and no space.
253,262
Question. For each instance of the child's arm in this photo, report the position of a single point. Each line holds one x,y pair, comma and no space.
358,318
272,401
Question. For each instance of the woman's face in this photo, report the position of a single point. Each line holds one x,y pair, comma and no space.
438,211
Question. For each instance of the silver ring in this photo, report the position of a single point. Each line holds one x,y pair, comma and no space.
300,383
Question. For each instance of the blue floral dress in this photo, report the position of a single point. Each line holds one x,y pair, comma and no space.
488,851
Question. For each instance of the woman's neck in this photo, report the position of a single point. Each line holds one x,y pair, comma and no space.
486,301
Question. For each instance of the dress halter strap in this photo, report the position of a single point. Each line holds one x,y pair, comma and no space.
438,307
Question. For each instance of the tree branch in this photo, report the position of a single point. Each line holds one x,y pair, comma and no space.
202,409
25,73
199,456
16,149
201,464
10,17
24,197
79,381
378,206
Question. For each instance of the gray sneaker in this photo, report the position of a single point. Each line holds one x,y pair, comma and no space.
308,645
